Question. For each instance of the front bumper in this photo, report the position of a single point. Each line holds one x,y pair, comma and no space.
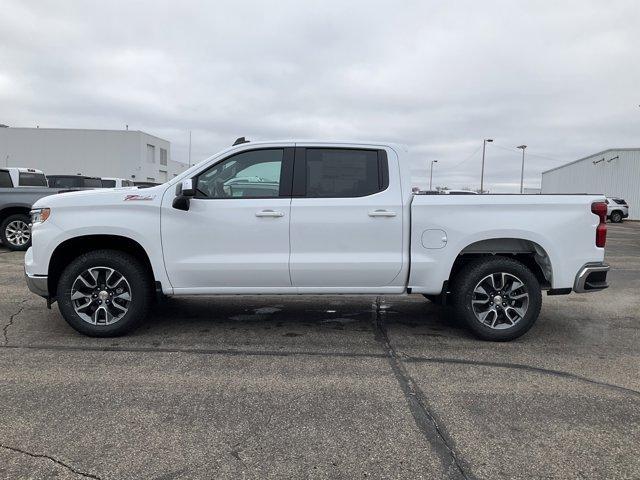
591,278
38,284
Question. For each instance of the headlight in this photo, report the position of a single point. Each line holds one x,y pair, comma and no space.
39,215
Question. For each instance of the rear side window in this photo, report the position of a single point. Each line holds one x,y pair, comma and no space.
108,183
5,179
334,172
29,179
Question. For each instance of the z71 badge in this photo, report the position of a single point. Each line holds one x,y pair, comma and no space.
138,197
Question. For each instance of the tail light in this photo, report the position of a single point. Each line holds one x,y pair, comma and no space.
600,209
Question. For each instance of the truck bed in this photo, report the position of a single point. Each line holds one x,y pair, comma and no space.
559,229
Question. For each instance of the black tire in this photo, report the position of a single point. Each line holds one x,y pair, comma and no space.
139,283
616,217
10,222
472,274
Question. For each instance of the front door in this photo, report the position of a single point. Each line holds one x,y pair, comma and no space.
235,236
346,219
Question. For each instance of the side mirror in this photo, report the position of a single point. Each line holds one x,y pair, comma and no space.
184,193
188,189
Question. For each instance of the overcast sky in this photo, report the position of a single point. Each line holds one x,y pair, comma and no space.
562,77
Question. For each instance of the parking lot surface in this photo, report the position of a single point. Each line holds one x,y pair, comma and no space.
324,387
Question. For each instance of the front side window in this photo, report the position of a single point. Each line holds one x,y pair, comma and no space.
5,179
108,183
30,179
253,174
333,172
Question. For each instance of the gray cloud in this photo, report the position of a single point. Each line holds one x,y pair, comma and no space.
438,76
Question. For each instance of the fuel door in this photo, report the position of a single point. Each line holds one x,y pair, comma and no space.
434,238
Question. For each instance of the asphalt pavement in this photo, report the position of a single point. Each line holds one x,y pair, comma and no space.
324,387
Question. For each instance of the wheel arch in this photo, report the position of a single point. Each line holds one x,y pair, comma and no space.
527,251
70,249
14,209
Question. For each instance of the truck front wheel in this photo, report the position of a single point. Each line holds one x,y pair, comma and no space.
498,298
104,293
15,232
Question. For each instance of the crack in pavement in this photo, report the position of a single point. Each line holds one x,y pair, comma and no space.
53,459
313,353
10,323
426,421
521,366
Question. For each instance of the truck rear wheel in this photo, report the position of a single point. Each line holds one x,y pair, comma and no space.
104,293
498,298
15,232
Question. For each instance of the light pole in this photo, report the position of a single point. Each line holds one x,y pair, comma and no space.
431,173
484,146
522,147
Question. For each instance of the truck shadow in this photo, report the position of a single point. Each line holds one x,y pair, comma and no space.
295,316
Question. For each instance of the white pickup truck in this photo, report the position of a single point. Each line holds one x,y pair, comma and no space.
312,218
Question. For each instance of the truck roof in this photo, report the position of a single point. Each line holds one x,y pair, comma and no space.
21,169
394,145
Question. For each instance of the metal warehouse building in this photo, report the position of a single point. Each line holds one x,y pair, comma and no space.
614,172
128,154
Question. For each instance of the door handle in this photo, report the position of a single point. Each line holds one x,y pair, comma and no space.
382,213
269,213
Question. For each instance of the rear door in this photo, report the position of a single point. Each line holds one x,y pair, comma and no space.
346,219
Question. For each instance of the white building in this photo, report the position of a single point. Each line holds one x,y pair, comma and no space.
614,172
129,154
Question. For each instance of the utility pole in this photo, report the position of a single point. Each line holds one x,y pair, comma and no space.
484,146
431,173
522,147
189,148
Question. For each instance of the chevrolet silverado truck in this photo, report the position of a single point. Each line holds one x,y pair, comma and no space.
282,218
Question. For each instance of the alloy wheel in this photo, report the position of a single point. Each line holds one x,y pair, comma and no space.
101,295
500,300
18,233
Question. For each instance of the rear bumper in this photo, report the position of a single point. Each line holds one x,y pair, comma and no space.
591,278
37,285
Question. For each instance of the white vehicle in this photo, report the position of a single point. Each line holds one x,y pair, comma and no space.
342,221
22,177
113,182
617,209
